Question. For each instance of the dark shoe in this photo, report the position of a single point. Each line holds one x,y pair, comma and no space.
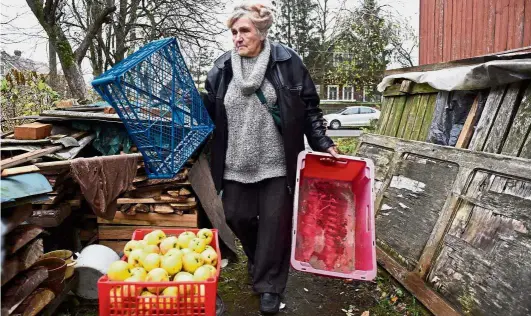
270,303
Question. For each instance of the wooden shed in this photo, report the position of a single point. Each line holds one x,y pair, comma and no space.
453,222
458,29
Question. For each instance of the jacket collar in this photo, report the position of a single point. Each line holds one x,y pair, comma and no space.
279,53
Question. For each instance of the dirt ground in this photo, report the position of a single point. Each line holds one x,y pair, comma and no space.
306,295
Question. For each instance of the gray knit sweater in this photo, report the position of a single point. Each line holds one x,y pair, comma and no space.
255,148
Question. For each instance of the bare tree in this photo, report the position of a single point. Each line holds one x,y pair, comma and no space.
49,14
140,21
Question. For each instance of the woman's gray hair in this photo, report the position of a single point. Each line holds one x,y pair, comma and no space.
261,15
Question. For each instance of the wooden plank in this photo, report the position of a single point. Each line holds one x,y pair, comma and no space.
412,204
19,170
396,115
519,24
405,116
413,283
406,86
428,117
487,118
490,25
423,105
527,24
502,120
203,186
70,285
52,217
162,209
467,34
511,25
439,14
20,237
417,88
384,116
502,23
190,202
23,158
115,232
455,29
502,204
520,126
35,303
468,127
117,246
21,287
167,220
447,48
13,217
476,17
526,149
409,124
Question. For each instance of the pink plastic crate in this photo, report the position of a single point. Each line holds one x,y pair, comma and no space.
333,218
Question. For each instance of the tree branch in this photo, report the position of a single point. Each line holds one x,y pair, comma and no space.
92,31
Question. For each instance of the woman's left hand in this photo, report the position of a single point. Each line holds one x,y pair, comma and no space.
333,151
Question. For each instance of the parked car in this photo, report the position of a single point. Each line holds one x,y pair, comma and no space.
352,116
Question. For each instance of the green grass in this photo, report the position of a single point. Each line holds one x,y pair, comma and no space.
346,145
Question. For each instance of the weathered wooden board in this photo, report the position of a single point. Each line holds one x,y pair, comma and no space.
428,117
387,105
485,263
410,102
410,122
412,204
148,219
114,232
502,120
509,194
492,106
396,115
520,127
468,127
203,185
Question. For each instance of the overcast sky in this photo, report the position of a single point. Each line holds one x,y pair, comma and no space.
33,42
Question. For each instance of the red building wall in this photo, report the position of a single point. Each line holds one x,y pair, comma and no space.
458,29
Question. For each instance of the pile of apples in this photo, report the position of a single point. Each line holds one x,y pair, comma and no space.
161,258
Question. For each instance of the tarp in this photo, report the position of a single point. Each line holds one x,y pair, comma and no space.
475,77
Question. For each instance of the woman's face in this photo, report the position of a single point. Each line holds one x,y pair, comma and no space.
246,38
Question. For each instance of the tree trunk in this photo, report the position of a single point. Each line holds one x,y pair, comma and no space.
52,61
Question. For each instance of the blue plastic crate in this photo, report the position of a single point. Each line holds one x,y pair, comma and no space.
154,94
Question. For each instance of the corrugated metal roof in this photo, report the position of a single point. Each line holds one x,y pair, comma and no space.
24,185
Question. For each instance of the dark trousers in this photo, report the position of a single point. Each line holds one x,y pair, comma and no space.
260,215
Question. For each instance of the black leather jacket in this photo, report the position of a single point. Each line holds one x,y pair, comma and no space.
297,99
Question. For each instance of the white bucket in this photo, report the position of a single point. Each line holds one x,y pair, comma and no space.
92,263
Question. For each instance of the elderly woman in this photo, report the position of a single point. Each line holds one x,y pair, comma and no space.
262,101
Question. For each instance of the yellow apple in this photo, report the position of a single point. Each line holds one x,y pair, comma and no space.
136,258
130,246
192,261
184,277
186,250
157,275
197,244
213,270
152,249
151,261
140,273
149,299
209,247
119,271
142,244
199,296
131,290
170,302
152,238
202,274
184,239
168,243
206,234
210,257
116,297
174,252
172,264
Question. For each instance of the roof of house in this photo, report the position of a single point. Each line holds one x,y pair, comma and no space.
24,64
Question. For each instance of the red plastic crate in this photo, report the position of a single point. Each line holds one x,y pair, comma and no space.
194,298
333,218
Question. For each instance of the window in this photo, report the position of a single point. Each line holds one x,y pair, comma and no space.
351,111
366,111
332,92
348,93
